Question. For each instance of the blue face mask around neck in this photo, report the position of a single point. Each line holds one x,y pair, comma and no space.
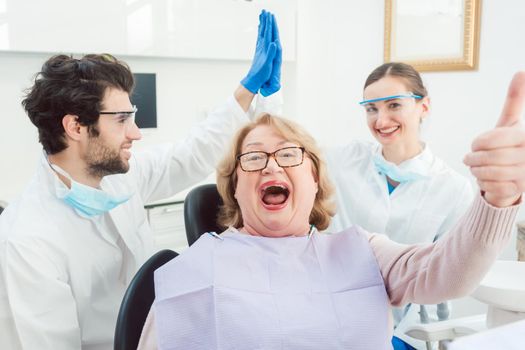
394,172
87,201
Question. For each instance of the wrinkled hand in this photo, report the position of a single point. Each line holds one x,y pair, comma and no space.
265,54
497,159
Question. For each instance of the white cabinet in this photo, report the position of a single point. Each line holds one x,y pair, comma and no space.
203,29
167,223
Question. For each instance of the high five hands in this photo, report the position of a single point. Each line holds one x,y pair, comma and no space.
497,159
265,72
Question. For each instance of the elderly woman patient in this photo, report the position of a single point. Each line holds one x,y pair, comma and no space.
272,281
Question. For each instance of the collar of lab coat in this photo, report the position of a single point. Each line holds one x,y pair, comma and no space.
422,164
119,215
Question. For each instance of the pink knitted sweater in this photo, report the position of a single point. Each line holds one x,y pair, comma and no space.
450,268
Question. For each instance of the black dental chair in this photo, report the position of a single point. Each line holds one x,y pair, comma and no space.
201,207
137,302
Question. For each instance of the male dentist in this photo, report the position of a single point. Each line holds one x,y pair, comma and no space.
74,238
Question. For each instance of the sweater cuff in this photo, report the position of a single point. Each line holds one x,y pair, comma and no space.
490,224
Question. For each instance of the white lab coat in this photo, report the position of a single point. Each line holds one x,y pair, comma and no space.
62,278
415,212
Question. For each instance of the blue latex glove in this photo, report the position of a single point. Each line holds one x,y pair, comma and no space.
274,83
265,52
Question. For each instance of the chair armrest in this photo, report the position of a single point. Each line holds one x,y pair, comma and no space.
449,329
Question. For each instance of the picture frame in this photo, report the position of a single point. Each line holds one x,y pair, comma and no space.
433,35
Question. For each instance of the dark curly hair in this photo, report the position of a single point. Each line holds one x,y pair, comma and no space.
67,85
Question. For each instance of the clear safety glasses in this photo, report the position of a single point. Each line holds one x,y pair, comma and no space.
395,104
126,118
392,97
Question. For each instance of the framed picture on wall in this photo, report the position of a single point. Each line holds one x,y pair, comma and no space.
433,35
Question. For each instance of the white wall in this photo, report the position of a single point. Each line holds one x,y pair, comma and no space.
340,42
154,28
186,89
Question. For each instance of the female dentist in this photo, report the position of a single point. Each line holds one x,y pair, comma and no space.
398,186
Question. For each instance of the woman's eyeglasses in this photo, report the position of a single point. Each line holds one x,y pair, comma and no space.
285,157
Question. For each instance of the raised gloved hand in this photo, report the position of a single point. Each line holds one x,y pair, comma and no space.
265,53
273,84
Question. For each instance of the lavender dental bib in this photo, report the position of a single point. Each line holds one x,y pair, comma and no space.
245,292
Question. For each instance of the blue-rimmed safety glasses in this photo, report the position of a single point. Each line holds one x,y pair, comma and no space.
392,97
123,117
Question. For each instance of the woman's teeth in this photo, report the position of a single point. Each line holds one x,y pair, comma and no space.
388,130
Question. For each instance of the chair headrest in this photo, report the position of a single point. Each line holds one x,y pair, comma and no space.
201,208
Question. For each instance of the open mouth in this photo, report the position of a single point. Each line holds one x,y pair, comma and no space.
274,194
388,131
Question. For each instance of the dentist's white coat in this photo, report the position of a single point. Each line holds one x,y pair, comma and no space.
63,276
416,212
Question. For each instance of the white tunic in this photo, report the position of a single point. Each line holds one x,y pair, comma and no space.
63,276
415,212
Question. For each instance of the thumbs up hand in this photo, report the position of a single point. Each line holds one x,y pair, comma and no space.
497,159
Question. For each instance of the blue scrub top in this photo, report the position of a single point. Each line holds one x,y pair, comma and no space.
391,188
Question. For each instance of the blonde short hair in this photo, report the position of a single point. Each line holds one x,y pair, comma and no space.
230,212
